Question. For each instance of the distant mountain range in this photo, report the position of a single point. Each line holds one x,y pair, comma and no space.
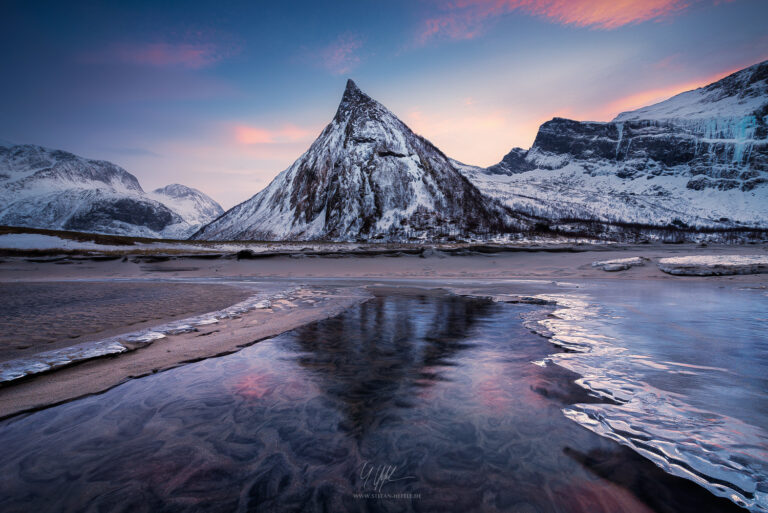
53,189
697,162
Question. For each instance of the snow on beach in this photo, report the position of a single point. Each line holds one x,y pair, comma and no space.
714,265
619,264
33,241
39,241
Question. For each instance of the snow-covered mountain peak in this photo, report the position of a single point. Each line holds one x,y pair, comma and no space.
353,96
195,207
23,165
177,190
367,176
697,159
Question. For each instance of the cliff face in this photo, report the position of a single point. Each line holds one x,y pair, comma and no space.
699,158
719,154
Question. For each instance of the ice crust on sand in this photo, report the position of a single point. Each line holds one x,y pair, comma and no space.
714,265
619,264
50,360
721,453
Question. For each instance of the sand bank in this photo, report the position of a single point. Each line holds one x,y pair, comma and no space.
93,376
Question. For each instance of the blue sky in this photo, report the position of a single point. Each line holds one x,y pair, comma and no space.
223,96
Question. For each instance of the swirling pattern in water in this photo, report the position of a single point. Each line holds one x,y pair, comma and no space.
437,393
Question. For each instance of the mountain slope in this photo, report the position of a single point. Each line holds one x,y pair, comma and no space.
367,176
193,206
53,189
698,159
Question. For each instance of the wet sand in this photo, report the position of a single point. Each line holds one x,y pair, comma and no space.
41,316
225,337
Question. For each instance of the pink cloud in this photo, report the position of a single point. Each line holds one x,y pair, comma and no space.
465,19
249,135
341,56
194,55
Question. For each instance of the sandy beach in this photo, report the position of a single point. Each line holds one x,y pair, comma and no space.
308,261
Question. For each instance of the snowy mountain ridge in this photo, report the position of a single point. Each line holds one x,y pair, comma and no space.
738,95
54,189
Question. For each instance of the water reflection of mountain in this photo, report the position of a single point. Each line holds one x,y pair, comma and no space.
371,360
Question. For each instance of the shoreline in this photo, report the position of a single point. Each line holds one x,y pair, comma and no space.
516,273
96,375
558,383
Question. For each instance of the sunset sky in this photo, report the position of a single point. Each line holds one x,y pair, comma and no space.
223,96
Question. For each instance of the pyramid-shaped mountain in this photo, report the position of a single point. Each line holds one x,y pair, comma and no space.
366,177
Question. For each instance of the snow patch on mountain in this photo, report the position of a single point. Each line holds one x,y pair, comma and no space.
736,96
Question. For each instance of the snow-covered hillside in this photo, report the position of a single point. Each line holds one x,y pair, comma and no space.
195,207
54,189
698,159
367,176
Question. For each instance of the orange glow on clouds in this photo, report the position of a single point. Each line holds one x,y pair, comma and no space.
464,19
472,134
245,134
480,134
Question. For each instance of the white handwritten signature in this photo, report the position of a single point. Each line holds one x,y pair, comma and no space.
381,474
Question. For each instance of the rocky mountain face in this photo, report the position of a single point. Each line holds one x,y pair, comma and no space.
699,159
367,176
53,189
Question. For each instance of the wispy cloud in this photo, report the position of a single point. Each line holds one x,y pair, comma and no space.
192,56
466,19
250,135
193,50
342,55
